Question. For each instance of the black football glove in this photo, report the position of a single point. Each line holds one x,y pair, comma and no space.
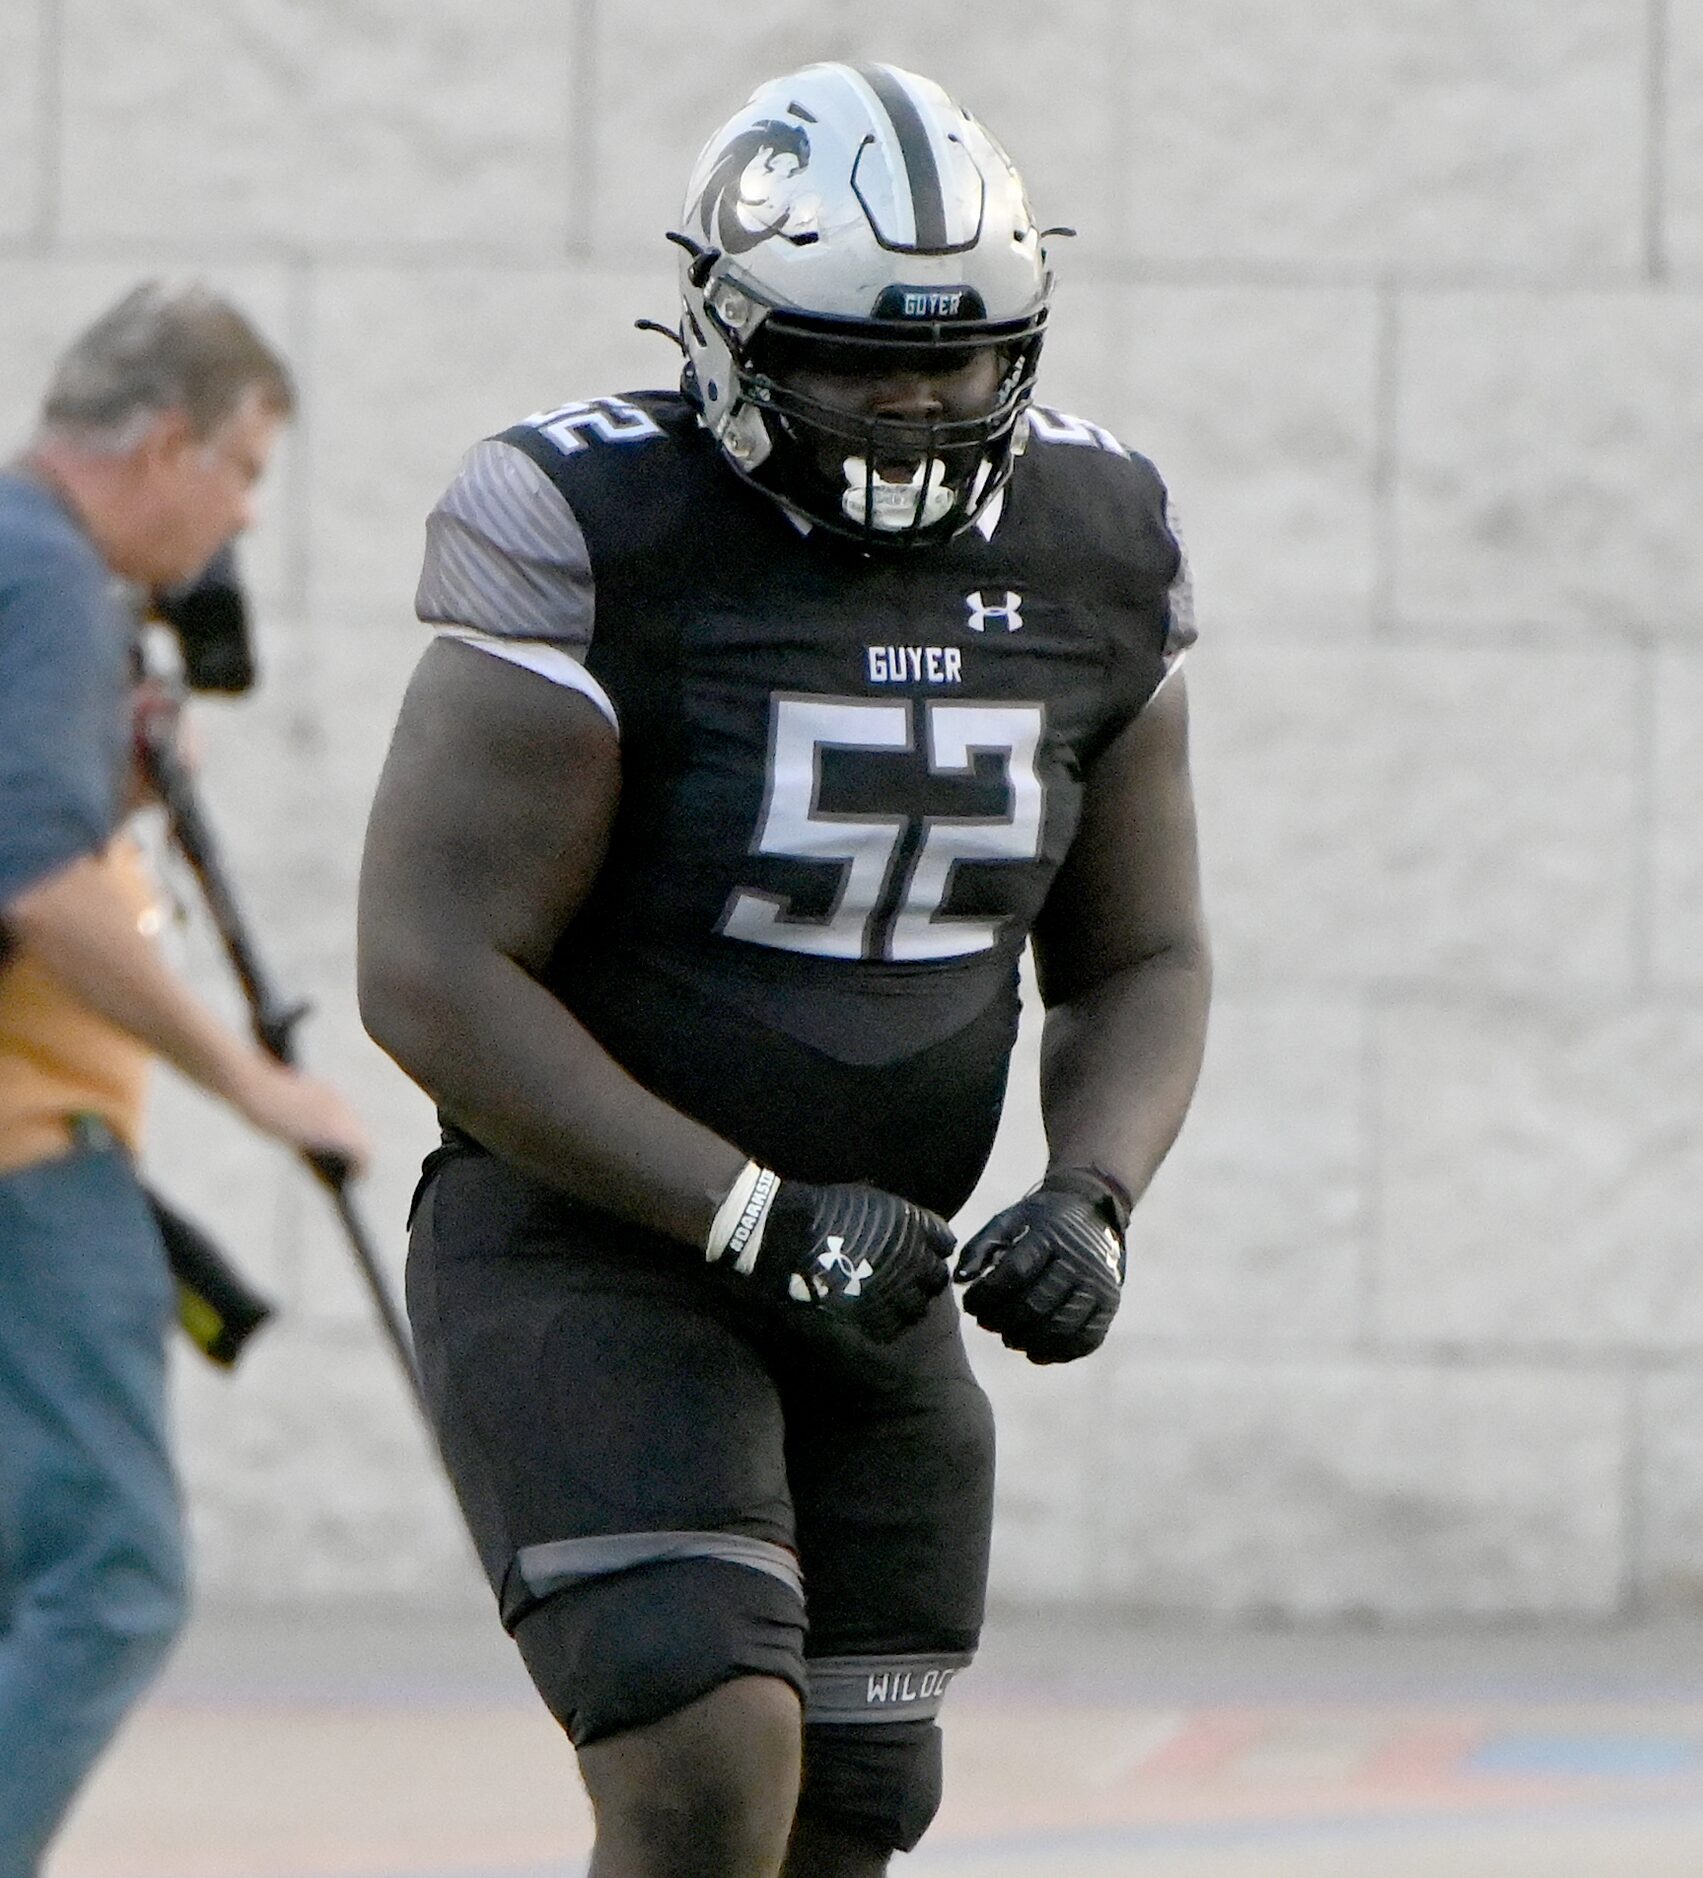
1046,1275
865,1256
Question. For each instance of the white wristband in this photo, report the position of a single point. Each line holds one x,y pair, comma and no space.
736,1232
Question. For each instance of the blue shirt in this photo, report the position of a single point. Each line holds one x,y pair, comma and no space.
64,691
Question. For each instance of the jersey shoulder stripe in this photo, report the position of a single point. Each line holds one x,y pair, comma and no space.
505,554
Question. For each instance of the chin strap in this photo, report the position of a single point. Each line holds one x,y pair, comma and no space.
872,503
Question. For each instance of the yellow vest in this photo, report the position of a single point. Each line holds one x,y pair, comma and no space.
57,1057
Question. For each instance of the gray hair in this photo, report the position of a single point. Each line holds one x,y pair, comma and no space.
163,348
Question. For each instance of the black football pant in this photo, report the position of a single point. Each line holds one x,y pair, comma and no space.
672,1483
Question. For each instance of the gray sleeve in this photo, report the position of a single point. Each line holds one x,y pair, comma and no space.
505,554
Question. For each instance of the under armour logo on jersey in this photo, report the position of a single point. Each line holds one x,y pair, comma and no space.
980,612
834,1272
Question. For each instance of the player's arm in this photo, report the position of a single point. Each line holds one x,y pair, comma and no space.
1125,976
490,824
1122,956
492,820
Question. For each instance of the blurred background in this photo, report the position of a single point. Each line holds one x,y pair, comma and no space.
1406,301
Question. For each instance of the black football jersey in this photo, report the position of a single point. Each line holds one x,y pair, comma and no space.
848,779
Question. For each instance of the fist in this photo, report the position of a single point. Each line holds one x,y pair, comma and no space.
864,1256
1046,1275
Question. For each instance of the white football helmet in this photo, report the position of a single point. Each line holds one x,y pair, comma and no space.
855,212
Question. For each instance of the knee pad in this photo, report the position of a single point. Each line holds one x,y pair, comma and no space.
619,1651
879,1781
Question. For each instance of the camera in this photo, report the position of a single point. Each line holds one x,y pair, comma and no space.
208,617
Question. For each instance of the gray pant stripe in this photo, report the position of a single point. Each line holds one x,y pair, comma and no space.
878,1688
559,1563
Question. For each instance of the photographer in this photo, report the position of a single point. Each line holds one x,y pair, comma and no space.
156,428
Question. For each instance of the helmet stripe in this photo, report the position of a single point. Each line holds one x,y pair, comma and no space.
928,200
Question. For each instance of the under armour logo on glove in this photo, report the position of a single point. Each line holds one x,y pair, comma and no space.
834,1272
1111,1247
855,1251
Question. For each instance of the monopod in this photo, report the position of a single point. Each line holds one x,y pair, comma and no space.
272,1018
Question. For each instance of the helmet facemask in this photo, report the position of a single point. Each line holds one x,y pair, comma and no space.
888,477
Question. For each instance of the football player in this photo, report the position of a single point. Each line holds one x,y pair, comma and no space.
766,722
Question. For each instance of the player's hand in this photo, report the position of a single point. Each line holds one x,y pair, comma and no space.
864,1256
1046,1275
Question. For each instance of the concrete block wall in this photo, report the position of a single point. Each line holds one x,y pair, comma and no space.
1407,302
